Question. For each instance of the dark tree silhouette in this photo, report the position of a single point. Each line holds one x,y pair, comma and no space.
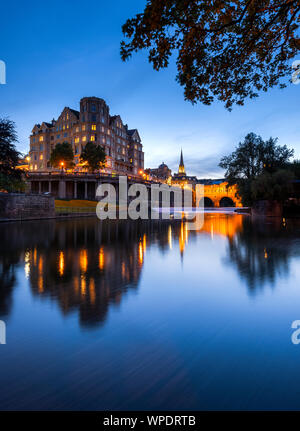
10,177
94,155
229,50
62,153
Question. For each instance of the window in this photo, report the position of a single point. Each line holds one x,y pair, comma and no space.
41,138
52,137
93,107
84,139
92,138
41,147
65,135
94,127
33,140
41,157
83,128
76,140
57,136
94,118
77,129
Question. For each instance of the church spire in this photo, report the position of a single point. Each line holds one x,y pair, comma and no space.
181,169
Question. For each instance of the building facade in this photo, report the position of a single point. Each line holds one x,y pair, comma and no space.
181,178
161,174
92,123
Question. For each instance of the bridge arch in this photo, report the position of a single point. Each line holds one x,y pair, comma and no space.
226,201
208,203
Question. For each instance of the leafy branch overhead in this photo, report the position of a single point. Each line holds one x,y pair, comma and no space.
226,50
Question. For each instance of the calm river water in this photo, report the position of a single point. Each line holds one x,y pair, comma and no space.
150,316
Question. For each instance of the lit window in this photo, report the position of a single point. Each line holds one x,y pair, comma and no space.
83,128
94,127
84,139
77,129
76,140
41,138
41,157
92,138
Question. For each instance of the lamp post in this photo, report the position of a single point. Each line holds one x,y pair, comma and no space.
62,166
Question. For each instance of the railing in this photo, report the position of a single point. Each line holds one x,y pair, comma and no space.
88,175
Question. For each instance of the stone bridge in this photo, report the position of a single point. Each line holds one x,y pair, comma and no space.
220,195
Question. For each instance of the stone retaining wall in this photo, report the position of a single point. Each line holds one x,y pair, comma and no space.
26,206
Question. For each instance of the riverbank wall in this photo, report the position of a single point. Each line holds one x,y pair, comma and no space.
21,206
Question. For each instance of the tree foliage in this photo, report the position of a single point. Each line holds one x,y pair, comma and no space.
229,50
94,155
62,153
255,164
277,186
10,177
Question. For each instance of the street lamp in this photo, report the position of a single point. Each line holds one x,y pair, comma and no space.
62,166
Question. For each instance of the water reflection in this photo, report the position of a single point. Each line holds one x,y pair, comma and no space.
86,266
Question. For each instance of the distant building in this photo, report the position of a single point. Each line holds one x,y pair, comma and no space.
217,193
181,177
93,123
162,173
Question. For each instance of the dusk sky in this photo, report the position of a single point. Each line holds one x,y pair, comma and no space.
57,54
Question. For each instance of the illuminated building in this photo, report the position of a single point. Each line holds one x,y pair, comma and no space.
217,193
93,123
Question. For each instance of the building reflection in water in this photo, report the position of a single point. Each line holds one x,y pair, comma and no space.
88,266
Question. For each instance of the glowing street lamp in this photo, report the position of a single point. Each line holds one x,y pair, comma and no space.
62,165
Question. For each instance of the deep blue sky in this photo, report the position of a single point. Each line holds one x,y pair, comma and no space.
57,52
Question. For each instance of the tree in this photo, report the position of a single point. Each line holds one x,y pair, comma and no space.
229,50
10,177
274,187
252,159
62,153
94,155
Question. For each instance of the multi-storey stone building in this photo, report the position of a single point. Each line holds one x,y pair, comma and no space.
93,123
